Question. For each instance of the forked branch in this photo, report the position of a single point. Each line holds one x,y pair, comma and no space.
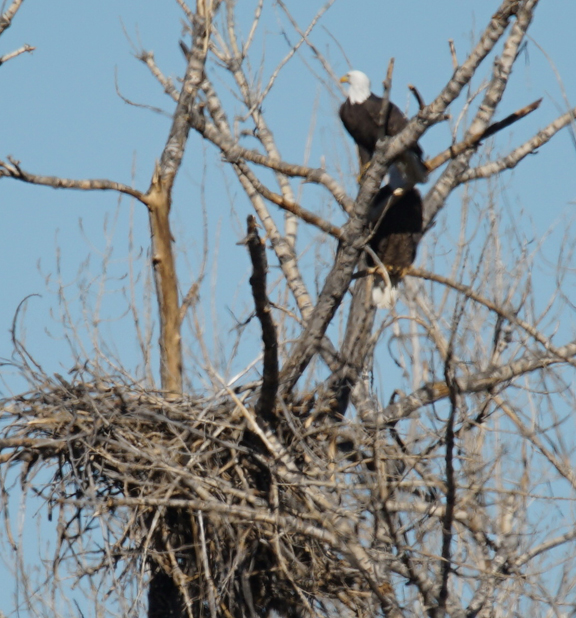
472,141
511,160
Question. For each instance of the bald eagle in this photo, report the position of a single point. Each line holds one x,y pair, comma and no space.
360,114
395,238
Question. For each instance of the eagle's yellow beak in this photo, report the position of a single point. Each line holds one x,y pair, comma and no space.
344,79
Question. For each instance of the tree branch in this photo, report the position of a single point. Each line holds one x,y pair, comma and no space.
283,249
479,382
511,160
159,198
471,141
417,96
8,15
434,112
174,149
13,170
233,151
17,52
291,207
257,249
448,519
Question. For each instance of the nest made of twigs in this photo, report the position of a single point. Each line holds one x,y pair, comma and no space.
206,506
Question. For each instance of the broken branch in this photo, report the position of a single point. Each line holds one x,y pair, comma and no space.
257,249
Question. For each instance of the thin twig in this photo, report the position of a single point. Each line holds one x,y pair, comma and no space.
206,564
453,54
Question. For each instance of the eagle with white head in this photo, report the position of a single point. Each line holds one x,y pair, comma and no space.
360,114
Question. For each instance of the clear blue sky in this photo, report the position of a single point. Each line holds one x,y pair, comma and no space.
60,115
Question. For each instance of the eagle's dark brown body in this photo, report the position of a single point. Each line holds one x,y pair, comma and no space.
397,236
361,121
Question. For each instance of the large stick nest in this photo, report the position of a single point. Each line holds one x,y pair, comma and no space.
188,489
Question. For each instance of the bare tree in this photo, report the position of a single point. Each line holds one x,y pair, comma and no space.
295,487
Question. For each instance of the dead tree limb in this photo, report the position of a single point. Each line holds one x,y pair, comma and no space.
257,249
12,169
159,198
283,249
417,96
289,206
480,382
17,52
233,151
511,160
445,565
354,234
474,140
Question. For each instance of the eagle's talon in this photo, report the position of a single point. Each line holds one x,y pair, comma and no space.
363,169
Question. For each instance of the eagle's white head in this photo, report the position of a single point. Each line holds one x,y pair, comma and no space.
359,86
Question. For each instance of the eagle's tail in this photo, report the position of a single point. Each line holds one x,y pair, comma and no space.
385,296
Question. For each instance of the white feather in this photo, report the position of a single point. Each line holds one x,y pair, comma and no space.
384,296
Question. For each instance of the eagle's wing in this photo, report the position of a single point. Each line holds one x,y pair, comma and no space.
359,123
396,120
412,161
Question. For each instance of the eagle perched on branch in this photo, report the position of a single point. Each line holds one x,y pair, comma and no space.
399,229
360,114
